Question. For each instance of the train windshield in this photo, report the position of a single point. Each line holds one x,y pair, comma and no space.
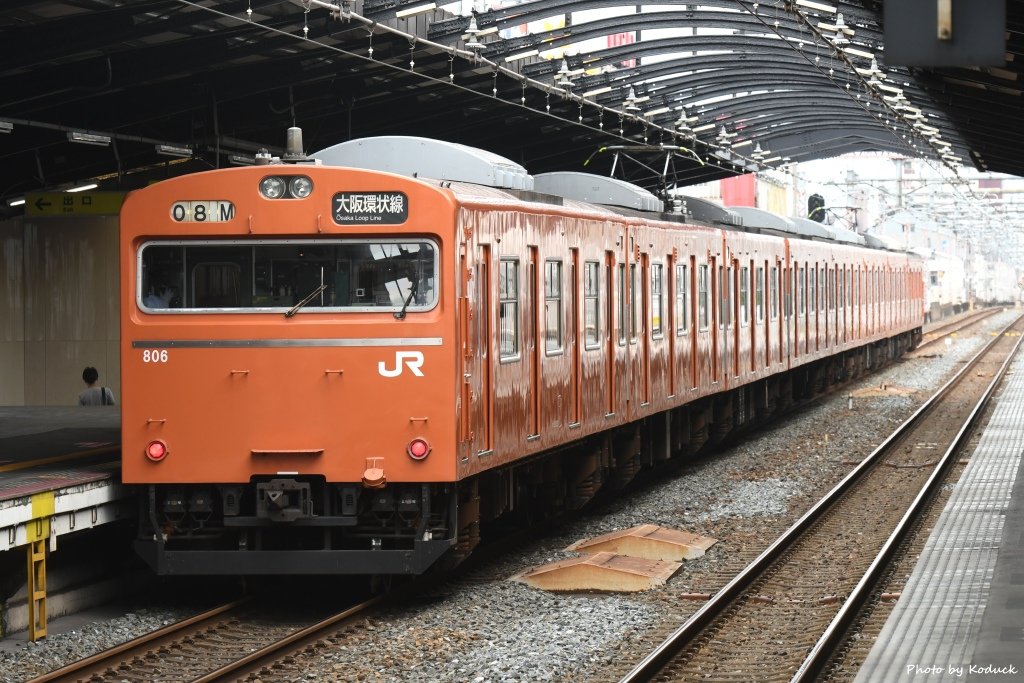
277,275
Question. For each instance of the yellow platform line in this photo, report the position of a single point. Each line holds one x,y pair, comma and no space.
58,458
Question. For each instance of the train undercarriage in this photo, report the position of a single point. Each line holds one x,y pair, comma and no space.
305,525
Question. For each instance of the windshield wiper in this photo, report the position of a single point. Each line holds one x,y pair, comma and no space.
309,297
412,292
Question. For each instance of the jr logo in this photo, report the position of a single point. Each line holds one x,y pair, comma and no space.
412,359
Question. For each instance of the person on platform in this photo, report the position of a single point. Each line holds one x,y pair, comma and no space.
94,395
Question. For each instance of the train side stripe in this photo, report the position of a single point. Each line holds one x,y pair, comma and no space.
261,343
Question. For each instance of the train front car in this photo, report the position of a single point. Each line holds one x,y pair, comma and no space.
287,369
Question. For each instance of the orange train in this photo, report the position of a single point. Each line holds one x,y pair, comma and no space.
331,366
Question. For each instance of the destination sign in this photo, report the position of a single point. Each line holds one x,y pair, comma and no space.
382,208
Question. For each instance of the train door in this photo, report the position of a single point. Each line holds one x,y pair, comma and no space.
786,319
483,407
771,309
574,338
757,319
858,297
829,304
736,290
823,298
610,333
725,289
466,358
842,322
534,343
800,309
634,288
646,296
715,314
672,310
698,316
724,318
812,308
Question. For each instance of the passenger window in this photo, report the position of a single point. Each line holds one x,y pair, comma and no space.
552,307
508,309
634,313
592,304
773,293
744,293
656,299
759,294
682,299
800,299
702,298
812,294
622,303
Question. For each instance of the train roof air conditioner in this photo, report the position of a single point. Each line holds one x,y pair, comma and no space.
597,189
427,158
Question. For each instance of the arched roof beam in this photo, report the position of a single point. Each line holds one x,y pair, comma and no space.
691,90
451,29
805,143
745,25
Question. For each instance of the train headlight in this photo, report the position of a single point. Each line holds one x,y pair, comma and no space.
272,187
300,186
418,449
156,450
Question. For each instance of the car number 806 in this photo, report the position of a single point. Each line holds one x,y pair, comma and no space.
154,356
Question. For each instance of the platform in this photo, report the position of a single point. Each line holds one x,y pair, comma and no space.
59,472
961,614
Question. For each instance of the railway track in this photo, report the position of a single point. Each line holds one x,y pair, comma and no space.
943,330
222,644
787,612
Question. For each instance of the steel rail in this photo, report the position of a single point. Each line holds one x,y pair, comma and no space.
75,670
647,668
819,655
943,330
232,671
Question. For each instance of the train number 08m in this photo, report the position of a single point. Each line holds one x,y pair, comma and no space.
154,356
202,211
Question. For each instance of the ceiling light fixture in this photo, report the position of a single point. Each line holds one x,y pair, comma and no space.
6,126
522,55
820,6
89,138
402,13
859,53
83,188
174,151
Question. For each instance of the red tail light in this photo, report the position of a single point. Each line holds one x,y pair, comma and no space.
156,450
418,449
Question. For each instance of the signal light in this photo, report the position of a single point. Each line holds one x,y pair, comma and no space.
156,450
418,449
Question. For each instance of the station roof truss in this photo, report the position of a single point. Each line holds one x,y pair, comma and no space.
124,92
